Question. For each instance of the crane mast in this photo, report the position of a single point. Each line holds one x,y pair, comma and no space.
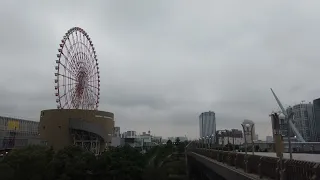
295,131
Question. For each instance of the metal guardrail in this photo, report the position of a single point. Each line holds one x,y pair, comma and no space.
265,167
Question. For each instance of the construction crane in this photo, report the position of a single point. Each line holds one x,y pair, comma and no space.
294,129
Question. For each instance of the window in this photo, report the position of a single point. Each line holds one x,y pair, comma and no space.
306,114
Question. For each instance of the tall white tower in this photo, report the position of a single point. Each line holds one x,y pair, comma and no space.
207,124
246,135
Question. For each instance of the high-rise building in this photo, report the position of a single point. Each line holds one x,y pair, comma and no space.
316,111
207,124
303,120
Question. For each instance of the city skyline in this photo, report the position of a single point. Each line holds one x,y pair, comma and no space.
162,64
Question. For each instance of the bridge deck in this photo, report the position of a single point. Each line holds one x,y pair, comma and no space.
296,156
240,174
263,164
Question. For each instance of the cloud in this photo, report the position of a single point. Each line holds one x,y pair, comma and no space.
163,63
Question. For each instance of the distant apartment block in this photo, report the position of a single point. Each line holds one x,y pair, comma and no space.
316,128
207,124
304,120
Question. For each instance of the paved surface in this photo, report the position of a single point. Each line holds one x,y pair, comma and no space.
296,156
238,170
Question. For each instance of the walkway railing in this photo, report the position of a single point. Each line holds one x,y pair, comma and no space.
265,167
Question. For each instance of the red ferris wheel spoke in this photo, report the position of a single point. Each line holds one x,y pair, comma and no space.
67,77
65,67
66,92
93,93
93,86
68,51
92,97
97,72
70,62
68,84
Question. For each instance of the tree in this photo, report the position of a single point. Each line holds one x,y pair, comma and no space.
6,172
181,148
177,141
27,163
169,143
228,146
121,163
39,163
152,173
236,147
257,148
72,162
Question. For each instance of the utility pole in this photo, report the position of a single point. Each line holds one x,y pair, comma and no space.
233,147
289,131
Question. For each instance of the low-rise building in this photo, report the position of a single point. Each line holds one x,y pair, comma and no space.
116,131
269,139
233,136
17,133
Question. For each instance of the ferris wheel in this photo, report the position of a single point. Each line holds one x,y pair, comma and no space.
77,81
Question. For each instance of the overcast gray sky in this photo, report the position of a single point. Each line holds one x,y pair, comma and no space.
162,63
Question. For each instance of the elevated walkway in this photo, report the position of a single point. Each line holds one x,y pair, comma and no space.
232,165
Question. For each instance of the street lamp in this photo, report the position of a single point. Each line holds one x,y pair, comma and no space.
212,140
203,139
228,134
252,126
219,135
233,147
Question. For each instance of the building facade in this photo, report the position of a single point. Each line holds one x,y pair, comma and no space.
129,134
233,136
316,111
181,138
207,124
89,129
116,131
16,133
156,139
303,120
